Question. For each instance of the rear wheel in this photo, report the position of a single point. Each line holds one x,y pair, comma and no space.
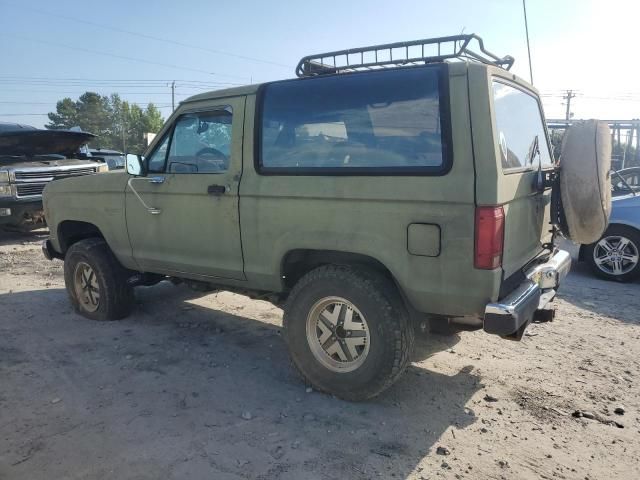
96,282
616,256
348,331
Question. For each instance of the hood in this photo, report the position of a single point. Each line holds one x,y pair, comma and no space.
29,142
627,199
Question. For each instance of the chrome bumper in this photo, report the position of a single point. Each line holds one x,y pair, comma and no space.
511,315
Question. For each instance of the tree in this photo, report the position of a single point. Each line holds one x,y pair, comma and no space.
119,124
619,150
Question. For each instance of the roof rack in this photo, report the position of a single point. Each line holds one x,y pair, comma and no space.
416,52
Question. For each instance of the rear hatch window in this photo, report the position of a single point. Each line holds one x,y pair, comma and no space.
519,122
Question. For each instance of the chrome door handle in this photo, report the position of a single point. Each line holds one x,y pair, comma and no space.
151,210
156,179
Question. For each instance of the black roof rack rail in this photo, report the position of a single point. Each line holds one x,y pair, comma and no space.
399,54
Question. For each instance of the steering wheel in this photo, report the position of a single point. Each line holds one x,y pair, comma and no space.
213,157
210,151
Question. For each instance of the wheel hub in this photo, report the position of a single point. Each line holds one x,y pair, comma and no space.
616,255
338,334
86,287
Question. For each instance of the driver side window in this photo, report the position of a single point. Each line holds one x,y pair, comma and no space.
201,143
156,160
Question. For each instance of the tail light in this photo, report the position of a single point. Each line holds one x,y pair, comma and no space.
489,237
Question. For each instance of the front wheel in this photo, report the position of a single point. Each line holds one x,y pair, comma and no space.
96,282
348,331
616,256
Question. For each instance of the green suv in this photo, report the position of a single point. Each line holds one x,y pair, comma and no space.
369,194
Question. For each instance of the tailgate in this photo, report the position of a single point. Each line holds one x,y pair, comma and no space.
526,226
523,149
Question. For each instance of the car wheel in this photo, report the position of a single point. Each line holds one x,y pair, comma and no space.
616,256
96,282
348,331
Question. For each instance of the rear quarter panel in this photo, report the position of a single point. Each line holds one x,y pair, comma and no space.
369,215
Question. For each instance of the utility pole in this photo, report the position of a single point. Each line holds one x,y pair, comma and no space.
568,98
124,127
173,96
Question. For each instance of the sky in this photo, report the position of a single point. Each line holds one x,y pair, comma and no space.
51,50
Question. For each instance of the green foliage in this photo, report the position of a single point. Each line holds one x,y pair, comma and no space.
119,124
619,150
556,142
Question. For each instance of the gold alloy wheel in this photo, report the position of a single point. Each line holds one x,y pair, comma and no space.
86,287
338,334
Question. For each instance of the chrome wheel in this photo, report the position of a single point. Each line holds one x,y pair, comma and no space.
86,287
616,255
338,334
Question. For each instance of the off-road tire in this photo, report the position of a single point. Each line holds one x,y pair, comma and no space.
391,334
116,296
615,230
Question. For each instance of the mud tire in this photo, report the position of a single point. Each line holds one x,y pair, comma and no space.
116,296
391,333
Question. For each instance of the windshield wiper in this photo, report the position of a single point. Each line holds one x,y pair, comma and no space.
535,149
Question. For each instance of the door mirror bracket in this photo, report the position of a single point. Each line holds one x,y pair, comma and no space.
135,165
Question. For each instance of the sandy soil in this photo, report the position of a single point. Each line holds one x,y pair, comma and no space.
200,387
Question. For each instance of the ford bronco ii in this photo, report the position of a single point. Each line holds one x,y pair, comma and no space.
362,199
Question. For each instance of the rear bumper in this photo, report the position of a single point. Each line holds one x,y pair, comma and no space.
511,315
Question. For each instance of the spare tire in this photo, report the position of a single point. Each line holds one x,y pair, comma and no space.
585,181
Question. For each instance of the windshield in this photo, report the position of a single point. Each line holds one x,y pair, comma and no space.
520,127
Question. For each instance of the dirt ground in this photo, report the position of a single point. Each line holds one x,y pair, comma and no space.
200,387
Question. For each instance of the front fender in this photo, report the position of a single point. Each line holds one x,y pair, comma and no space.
94,199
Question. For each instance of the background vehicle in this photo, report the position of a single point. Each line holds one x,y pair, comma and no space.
31,158
625,181
361,202
616,256
113,158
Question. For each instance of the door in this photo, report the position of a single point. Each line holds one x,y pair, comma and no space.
182,217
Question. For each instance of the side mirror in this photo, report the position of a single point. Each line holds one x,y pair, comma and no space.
134,164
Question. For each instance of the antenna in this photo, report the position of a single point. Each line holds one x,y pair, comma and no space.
526,27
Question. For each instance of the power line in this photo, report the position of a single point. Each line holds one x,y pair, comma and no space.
100,85
42,114
122,57
147,36
79,90
154,82
163,104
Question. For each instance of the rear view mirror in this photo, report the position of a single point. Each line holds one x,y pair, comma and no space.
134,164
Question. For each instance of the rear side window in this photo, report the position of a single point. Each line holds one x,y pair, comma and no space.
519,121
377,122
